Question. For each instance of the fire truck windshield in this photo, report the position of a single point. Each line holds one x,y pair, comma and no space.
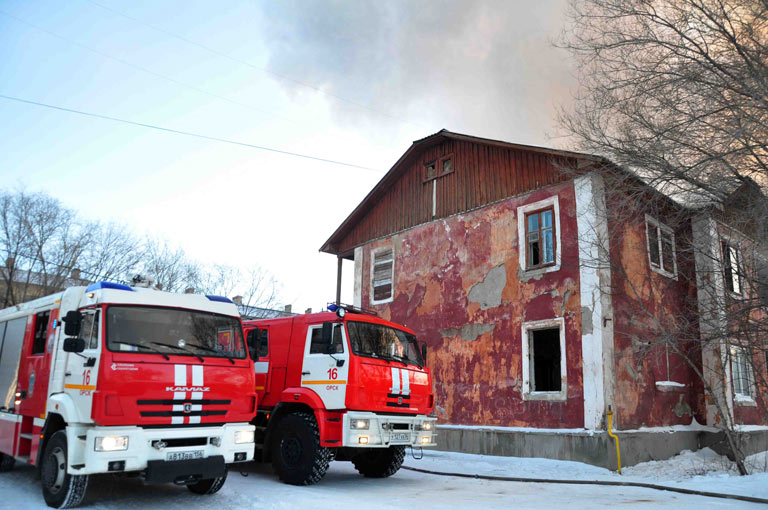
166,331
378,341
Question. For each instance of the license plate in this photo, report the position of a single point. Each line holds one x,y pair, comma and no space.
400,437
184,455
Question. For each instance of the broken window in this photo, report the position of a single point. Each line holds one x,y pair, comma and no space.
540,238
41,328
732,266
661,247
383,270
430,171
741,372
447,166
545,359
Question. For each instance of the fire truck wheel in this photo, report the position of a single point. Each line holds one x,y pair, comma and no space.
210,486
60,489
297,457
380,463
6,462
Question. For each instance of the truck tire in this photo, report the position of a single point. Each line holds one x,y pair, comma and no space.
60,489
380,463
209,486
6,462
297,457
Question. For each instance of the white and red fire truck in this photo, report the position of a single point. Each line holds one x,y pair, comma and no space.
119,379
344,386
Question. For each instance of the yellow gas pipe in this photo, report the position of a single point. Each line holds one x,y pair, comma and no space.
615,438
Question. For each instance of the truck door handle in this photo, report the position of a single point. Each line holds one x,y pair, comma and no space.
306,373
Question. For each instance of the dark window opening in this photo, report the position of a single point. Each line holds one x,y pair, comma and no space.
762,285
545,359
89,330
41,328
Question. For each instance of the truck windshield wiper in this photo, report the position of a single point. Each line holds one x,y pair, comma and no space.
181,349
208,349
394,358
145,346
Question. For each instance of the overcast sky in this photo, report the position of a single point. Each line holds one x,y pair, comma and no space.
354,82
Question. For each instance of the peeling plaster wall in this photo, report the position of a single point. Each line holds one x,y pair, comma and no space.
458,284
644,302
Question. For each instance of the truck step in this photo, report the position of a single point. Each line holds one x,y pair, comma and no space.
22,458
26,436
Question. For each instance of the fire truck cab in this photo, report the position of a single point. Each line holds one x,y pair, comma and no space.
119,379
343,386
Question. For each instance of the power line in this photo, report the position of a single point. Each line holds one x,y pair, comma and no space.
187,133
253,66
144,69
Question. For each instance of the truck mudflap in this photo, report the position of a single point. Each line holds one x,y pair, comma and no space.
372,430
182,471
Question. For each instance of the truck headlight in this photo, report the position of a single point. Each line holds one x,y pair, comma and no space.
243,436
111,443
427,425
359,424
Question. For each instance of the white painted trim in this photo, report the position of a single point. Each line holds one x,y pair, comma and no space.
661,226
357,297
10,417
373,263
434,197
557,322
592,233
522,243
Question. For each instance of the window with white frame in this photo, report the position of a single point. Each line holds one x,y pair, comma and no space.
544,364
661,247
732,266
382,275
741,372
538,231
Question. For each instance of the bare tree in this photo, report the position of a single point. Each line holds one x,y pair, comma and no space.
675,92
255,286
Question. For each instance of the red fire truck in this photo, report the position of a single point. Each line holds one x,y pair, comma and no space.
136,380
344,386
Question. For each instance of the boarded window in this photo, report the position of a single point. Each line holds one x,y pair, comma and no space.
540,238
731,266
661,247
741,372
41,328
383,266
544,351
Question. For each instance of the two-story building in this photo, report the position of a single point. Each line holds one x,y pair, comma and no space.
548,293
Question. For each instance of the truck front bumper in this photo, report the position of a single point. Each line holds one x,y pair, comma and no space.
136,448
385,430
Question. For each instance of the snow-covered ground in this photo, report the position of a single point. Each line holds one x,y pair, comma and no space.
343,488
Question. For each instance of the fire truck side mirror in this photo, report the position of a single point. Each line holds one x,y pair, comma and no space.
328,337
76,345
424,352
72,322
